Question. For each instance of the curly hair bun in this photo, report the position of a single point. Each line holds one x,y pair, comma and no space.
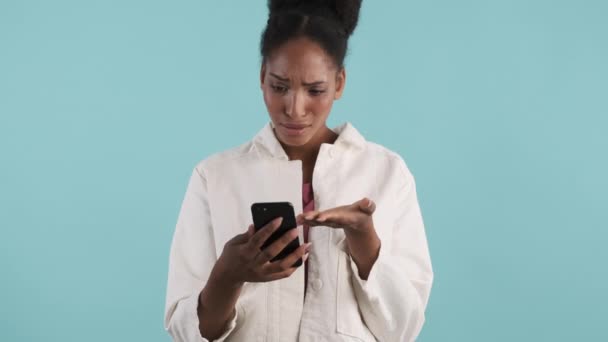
344,12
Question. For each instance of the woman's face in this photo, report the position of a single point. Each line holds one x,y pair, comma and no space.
300,83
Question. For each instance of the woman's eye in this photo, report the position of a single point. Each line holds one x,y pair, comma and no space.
316,92
279,89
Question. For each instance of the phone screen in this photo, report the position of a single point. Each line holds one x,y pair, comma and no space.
264,212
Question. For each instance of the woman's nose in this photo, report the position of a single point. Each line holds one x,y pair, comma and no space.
295,105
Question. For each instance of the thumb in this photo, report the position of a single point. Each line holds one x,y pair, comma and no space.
367,206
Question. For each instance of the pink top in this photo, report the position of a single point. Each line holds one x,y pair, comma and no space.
308,204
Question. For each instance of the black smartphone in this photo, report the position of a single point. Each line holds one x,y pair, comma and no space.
264,212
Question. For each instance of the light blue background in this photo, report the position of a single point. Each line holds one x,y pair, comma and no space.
499,108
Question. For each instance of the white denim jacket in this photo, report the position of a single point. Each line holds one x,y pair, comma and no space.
338,306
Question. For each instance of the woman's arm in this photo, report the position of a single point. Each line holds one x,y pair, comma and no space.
192,259
203,289
216,307
363,247
391,278
393,296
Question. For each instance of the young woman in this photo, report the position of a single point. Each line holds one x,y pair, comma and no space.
367,273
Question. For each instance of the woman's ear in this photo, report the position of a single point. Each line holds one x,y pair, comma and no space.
340,83
262,74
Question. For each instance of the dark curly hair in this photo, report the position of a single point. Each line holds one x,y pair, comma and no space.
328,23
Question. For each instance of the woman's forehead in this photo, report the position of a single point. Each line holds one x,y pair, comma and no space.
301,59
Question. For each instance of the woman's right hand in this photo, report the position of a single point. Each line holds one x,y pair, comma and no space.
243,260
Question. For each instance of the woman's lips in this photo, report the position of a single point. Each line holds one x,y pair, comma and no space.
295,129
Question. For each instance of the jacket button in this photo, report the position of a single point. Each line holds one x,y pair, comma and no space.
317,284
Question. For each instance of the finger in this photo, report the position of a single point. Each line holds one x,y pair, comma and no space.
276,247
259,237
239,239
311,215
280,265
280,275
324,217
246,252
315,223
331,222
306,218
328,217
332,215
300,220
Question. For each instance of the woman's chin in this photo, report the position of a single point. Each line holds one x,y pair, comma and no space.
294,138
294,141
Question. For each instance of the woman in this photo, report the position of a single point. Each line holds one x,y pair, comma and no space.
367,273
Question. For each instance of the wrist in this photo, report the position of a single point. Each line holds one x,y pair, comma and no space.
368,243
221,277
219,285
363,232
363,245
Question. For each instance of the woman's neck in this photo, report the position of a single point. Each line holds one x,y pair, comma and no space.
308,152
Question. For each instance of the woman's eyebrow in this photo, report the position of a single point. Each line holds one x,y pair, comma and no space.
279,77
308,84
312,83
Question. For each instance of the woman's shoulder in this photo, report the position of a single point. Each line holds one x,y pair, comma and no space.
226,157
386,157
367,150
374,148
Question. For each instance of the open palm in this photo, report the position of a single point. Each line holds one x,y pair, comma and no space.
356,216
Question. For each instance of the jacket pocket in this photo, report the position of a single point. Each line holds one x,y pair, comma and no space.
349,321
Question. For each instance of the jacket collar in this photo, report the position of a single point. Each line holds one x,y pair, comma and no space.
348,137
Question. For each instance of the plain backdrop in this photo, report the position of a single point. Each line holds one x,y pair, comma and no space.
500,109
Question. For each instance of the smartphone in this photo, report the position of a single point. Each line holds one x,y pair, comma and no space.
264,212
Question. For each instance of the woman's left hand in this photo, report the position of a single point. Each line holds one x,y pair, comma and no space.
354,218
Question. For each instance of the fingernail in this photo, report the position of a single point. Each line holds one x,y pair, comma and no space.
305,257
307,248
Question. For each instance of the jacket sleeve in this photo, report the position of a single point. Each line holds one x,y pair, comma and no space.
394,297
191,259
